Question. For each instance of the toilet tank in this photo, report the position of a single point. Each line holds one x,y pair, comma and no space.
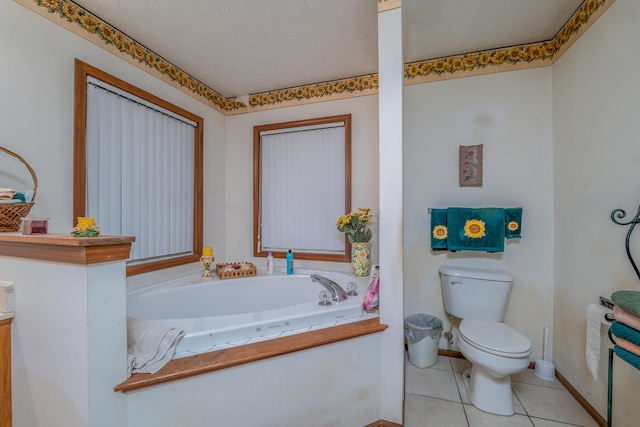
473,293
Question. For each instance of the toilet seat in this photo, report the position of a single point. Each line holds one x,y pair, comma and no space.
495,338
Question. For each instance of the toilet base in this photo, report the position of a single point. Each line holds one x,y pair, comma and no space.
488,393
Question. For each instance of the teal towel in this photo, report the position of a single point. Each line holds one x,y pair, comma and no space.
625,332
439,229
627,356
629,301
513,223
475,229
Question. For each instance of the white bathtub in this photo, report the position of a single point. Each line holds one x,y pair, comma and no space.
217,314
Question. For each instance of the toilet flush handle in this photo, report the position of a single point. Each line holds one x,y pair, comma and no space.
457,282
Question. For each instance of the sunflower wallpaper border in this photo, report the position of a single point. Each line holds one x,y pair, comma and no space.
83,23
528,55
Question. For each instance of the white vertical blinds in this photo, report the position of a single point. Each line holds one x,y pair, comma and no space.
140,172
302,189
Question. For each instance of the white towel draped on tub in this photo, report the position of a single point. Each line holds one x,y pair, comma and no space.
150,345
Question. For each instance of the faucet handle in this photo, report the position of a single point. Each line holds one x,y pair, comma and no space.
352,289
325,298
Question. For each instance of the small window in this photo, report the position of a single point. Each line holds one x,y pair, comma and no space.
302,185
138,169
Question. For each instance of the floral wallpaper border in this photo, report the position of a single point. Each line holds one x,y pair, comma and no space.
74,14
318,90
523,54
542,53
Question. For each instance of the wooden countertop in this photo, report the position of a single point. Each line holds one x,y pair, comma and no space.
65,247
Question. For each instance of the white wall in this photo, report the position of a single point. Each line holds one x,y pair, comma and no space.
391,201
239,172
510,113
596,104
68,346
36,114
333,385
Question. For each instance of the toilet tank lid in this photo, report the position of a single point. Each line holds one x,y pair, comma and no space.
476,273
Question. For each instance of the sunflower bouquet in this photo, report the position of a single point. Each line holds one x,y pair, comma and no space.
356,225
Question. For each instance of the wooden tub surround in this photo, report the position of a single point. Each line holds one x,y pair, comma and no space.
216,360
5,370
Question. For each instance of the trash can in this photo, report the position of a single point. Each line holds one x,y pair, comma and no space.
422,332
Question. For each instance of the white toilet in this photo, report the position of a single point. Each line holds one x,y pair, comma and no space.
496,351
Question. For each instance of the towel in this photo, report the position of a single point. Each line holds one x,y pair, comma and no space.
512,223
150,345
7,193
476,229
629,301
629,346
626,318
439,229
620,330
627,356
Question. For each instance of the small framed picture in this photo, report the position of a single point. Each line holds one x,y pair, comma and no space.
470,166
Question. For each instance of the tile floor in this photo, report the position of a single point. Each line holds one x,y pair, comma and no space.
436,397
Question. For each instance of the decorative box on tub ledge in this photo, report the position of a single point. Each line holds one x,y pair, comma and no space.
232,270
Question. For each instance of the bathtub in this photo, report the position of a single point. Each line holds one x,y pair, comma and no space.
217,314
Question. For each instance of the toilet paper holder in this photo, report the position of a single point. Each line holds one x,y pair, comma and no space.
606,302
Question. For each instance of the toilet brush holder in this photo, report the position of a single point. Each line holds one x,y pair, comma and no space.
545,370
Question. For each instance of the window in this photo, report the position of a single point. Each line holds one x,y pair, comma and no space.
302,184
138,169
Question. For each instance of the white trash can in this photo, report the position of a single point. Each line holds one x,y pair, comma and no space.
422,332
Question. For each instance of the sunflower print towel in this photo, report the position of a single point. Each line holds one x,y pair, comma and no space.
474,229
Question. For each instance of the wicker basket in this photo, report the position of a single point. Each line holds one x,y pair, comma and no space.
11,215
232,270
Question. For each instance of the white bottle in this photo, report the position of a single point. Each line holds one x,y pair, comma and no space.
270,263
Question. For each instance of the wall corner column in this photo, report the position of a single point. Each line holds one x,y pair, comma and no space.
69,334
390,69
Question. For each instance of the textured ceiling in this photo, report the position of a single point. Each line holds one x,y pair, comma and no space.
240,47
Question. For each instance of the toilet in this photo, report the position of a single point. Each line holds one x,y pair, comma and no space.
496,351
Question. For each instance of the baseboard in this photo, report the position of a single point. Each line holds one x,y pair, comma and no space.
383,423
450,353
582,401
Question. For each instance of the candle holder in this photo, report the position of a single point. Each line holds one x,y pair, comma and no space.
207,260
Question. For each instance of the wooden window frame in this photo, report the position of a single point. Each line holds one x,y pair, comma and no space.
316,256
82,71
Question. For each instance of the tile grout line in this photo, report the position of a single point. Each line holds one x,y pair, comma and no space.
464,410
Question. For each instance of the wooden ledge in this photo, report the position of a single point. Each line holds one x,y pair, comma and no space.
66,248
208,362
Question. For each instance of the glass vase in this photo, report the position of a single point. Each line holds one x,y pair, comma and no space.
360,258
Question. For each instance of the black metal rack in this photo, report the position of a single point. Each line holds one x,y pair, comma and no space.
619,214
616,216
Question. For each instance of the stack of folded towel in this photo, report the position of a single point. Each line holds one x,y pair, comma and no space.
626,328
151,345
9,196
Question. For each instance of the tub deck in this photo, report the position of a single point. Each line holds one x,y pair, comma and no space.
213,361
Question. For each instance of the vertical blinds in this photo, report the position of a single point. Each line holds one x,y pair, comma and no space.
302,189
140,172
